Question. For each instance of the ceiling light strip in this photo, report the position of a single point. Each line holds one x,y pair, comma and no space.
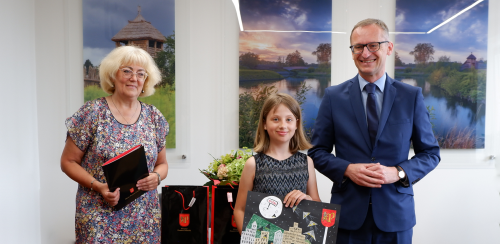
337,32
236,4
454,16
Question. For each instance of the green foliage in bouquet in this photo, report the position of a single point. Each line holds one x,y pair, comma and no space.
227,169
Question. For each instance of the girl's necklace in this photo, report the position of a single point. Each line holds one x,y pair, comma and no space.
136,106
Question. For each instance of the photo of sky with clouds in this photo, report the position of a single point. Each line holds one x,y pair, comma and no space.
284,16
457,39
104,19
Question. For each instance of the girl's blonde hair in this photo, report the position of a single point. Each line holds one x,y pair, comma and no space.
127,55
298,141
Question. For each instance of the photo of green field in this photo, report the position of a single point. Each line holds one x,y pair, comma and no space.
148,25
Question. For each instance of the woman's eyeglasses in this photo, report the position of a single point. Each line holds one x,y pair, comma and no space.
128,73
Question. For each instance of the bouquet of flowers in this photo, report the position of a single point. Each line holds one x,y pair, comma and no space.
227,169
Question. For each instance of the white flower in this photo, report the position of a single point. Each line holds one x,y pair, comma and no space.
222,171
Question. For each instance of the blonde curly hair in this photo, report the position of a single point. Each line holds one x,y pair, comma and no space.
127,55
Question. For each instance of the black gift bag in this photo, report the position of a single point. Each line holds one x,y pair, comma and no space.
223,225
184,220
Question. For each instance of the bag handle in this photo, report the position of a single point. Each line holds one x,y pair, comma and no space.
230,203
183,200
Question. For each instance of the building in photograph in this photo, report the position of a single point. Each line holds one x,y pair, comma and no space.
141,33
472,62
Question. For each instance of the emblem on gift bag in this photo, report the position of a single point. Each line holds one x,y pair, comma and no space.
184,219
233,222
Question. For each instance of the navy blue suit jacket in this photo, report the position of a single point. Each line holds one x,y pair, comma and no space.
341,122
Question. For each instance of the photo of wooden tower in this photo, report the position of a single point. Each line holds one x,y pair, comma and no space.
141,33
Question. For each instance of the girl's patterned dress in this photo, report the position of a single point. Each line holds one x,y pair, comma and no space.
101,137
279,177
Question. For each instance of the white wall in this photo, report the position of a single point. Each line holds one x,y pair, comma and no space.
19,174
59,41
454,205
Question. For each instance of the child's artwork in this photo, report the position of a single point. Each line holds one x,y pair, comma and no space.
267,220
145,24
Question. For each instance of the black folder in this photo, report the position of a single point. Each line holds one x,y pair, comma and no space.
123,171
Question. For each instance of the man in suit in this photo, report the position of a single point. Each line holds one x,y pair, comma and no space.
372,120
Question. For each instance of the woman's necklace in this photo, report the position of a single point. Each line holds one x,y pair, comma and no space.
136,106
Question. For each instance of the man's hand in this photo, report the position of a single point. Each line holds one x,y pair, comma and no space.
365,175
389,174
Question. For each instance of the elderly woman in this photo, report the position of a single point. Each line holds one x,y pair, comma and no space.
106,127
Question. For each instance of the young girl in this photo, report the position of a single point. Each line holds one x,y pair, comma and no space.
278,168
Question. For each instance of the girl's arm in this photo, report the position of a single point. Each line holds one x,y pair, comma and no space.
246,184
312,186
295,197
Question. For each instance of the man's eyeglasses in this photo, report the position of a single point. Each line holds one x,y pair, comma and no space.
372,47
127,73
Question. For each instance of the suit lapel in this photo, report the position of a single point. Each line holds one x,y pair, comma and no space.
359,110
389,95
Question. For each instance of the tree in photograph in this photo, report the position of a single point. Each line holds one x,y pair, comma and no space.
165,60
422,53
323,53
87,65
295,59
250,105
280,62
397,60
249,60
444,59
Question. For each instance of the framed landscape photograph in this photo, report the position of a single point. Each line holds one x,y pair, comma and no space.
449,64
146,24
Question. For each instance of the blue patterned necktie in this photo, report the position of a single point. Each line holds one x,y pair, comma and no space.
371,112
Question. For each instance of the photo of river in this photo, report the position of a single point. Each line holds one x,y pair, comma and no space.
296,63
450,113
290,86
449,63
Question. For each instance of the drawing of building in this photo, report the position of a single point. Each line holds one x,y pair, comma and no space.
264,238
248,235
278,237
293,235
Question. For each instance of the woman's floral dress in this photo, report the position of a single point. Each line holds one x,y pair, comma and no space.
97,133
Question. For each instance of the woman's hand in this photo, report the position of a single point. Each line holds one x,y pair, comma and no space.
149,183
294,197
110,197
